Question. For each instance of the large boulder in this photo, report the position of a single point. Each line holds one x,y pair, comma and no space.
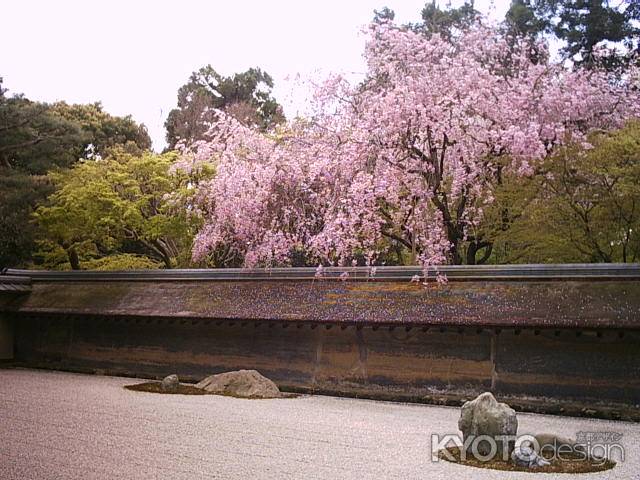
241,383
486,416
170,383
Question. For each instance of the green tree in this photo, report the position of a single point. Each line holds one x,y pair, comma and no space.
124,209
583,206
33,138
446,21
581,25
36,137
385,14
101,130
20,193
246,96
521,19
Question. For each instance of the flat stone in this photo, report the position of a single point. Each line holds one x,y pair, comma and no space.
241,383
526,456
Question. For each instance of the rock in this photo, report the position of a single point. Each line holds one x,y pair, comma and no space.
526,456
486,416
241,383
170,383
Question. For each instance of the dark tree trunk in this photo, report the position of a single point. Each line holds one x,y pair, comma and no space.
164,253
454,255
487,253
471,253
74,260
455,237
474,248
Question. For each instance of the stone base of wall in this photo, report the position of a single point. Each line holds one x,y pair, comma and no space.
6,339
566,371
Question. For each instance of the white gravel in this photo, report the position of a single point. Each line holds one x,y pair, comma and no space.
57,425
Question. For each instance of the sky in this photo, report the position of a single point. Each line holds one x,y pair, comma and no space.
133,55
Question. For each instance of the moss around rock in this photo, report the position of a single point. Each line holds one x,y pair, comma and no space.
156,387
569,464
241,383
486,417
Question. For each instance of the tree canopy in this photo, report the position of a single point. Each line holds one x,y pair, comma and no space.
121,207
445,21
466,141
583,26
33,138
246,96
103,131
37,137
584,206
405,161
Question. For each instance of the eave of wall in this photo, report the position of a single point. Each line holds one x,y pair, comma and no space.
532,304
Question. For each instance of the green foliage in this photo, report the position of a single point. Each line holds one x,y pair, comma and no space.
103,131
121,204
37,137
20,193
246,96
521,19
385,14
511,195
584,206
446,21
122,261
582,25
33,138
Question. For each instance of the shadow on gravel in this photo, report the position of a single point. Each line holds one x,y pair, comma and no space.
155,387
